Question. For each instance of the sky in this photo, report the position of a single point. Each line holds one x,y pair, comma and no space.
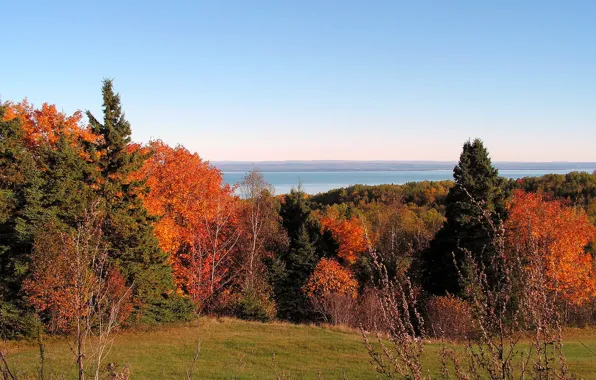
305,80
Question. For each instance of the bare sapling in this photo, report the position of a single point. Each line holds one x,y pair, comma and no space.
100,294
397,354
510,298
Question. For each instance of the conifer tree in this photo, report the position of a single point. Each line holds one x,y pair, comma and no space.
478,191
296,265
128,226
44,183
20,209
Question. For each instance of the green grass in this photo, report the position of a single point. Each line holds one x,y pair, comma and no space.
232,348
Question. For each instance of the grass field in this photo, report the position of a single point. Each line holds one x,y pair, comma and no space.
245,350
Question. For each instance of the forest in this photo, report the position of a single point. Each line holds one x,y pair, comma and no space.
99,233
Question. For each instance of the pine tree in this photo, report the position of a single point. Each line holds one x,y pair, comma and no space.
477,187
128,226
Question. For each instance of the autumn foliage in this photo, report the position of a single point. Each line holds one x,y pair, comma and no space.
172,238
349,235
45,125
71,278
198,215
449,317
330,277
559,234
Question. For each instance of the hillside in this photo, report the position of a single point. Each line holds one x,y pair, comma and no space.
248,350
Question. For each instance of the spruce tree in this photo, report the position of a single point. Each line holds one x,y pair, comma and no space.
21,209
128,226
297,264
41,184
477,193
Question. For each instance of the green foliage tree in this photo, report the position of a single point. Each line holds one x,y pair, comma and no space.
294,266
20,187
128,226
477,187
39,184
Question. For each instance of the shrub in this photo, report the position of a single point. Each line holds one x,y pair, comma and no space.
332,292
370,312
450,318
255,306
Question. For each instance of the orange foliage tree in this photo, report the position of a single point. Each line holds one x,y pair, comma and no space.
331,277
45,125
72,282
349,234
554,235
332,291
198,216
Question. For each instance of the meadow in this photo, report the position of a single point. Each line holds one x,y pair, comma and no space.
231,348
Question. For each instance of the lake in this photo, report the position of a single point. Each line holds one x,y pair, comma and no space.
316,182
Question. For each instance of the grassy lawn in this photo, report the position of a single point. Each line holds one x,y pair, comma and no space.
238,349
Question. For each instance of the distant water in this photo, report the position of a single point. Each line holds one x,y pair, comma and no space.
317,182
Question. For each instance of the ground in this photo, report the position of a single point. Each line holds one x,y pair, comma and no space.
248,350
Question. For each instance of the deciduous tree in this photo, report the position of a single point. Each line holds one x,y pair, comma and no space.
332,291
73,285
46,125
198,219
349,234
551,234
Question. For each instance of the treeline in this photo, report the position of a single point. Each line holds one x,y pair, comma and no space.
93,225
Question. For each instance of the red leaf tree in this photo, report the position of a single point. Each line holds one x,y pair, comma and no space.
45,125
348,233
198,216
555,236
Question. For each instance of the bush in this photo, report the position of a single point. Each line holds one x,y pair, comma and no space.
370,311
581,315
255,306
169,308
449,317
16,323
335,308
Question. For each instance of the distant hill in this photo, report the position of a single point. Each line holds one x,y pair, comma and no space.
333,166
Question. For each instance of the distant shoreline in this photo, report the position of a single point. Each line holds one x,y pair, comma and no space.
384,166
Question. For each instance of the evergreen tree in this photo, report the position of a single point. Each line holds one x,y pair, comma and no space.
128,226
40,184
295,266
20,210
477,187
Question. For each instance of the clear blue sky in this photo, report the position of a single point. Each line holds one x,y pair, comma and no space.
275,80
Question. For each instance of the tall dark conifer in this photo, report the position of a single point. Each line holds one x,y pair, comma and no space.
477,187
297,264
21,209
40,184
128,226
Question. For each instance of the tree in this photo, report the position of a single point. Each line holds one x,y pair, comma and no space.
348,233
260,218
552,235
19,187
46,126
128,227
45,177
477,190
293,267
332,291
261,235
198,219
73,285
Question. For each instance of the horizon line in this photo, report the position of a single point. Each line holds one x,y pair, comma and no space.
400,161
